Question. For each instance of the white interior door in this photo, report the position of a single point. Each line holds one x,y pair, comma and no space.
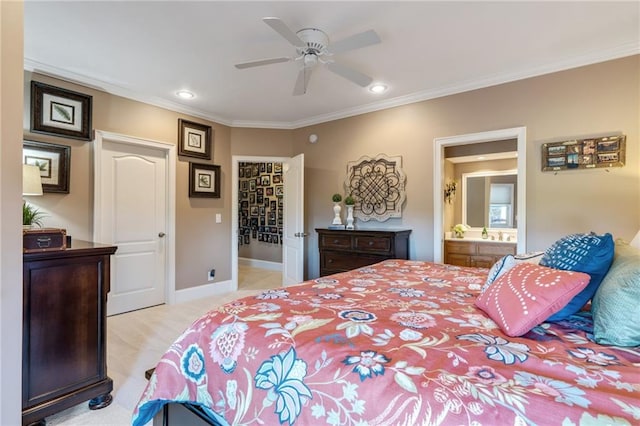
133,216
293,227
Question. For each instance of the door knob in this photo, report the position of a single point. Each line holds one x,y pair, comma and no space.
161,234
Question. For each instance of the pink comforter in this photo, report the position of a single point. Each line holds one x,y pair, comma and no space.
396,343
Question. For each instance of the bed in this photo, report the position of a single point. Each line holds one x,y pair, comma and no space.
396,343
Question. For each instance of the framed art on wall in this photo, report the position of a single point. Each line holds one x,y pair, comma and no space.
53,161
606,151
204,180
60,112
194,139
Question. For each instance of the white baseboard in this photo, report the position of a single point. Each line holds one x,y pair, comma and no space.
264,264
205,290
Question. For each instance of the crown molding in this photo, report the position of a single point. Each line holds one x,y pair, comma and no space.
118,90
629,49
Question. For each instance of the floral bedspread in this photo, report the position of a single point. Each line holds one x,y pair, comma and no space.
396,343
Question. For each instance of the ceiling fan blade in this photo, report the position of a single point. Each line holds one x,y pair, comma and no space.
282,29
350,74
355,41
261,62
302,82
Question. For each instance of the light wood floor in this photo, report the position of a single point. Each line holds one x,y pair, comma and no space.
136,341
257,278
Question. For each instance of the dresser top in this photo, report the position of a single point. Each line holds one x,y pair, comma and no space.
77,248
366,230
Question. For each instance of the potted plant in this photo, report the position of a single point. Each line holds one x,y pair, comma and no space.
349,200
31,216
336,198
459,230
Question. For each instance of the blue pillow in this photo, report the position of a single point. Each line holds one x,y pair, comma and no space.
588,253
616,317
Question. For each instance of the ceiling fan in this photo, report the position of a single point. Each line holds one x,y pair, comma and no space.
312,47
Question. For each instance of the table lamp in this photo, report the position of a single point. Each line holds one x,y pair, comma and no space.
31,181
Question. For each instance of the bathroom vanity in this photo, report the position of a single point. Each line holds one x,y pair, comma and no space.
479,253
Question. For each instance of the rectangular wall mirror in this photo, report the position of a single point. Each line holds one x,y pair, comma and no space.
489,199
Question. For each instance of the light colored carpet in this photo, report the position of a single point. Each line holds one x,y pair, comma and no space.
136,341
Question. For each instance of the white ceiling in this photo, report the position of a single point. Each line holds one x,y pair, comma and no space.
149,50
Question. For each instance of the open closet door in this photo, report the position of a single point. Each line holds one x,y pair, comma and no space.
293,229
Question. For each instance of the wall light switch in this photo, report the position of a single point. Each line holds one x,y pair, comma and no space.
218,218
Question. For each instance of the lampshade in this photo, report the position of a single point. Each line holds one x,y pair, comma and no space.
31,182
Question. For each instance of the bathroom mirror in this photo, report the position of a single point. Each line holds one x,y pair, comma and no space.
489,199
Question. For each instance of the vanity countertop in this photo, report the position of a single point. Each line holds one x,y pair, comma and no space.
481,240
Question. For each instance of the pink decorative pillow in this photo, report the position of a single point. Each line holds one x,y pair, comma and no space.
528,294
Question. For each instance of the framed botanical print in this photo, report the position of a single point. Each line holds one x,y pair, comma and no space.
53,161
204,180
194,139
60,112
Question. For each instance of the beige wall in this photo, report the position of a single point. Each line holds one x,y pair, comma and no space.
579,102
585,101
11,54
261,142
201,244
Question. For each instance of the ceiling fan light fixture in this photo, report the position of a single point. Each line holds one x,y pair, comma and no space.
185,94
310,60
378,88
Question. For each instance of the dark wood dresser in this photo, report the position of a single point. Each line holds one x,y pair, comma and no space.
342,250
64,330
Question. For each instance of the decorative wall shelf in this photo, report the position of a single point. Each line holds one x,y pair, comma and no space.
607,151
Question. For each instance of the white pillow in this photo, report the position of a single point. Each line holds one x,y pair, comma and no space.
507,262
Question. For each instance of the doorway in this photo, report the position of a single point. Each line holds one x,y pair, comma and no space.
518,133
284,229
139,218
260,224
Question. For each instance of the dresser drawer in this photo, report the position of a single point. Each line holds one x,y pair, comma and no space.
482,261
338,262
373,244
476,253
461,247
497,249
335,241
457,259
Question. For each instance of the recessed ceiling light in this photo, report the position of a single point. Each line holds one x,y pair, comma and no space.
378,88
185,94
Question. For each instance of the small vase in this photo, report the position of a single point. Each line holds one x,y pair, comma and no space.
485,234
459,234
350,217
336,214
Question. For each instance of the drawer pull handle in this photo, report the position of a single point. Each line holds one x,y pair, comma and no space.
43,242
330,261
336,241
370,243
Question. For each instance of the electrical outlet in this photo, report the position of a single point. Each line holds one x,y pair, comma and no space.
211,275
